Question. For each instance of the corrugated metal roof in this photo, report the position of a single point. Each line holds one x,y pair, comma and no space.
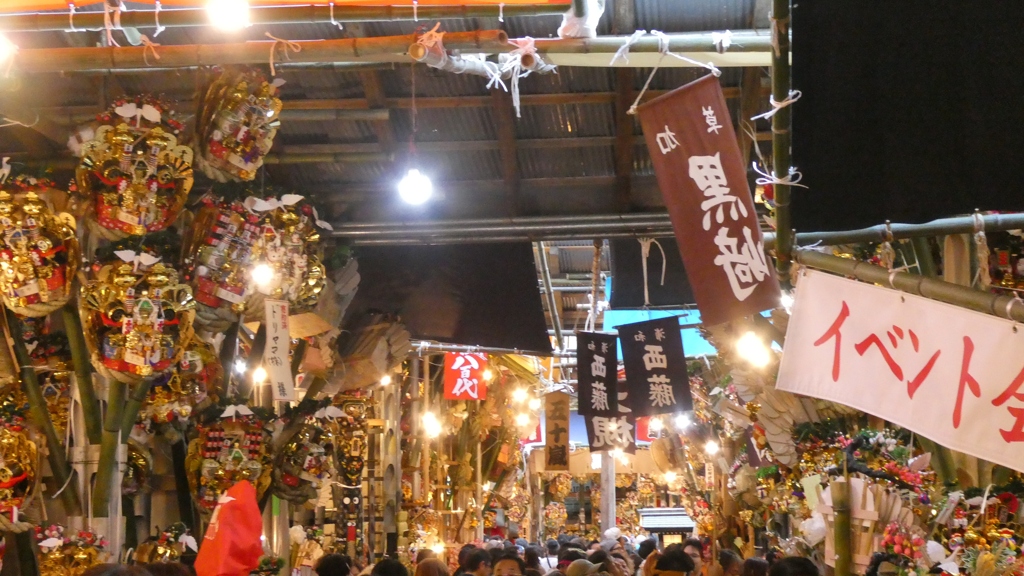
693,15
567,162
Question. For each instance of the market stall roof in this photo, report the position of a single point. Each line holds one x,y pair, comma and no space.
22,5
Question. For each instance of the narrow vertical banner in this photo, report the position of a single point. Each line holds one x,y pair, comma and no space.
704,184
652,353
597,367
275,354
557,427
464,376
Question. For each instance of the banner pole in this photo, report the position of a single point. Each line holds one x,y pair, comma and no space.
781,137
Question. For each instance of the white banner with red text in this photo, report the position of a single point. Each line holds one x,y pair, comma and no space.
952,375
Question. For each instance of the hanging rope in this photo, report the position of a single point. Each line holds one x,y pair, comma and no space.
623,51
111,20
148,46
663,49
514,66
415,9
71,17
156,19
721,41
886,253
983,279
645,252
287,44
333,21
793,96
595,271
501,12
13,122
793,179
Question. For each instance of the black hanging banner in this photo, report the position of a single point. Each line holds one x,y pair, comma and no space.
615,429
597,359
655,363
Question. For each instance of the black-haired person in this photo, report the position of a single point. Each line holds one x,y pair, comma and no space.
793,566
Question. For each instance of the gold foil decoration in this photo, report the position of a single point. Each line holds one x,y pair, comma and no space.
236,447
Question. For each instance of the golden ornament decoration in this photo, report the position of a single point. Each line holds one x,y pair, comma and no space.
300,467
236,122
38,249
134,176
173,398
235,447
137,317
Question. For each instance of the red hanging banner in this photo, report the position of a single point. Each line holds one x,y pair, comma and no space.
464,376
704,184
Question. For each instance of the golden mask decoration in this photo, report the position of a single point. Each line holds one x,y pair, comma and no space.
236,123
63,553
137,317
235,447
242,252
38,248
133,172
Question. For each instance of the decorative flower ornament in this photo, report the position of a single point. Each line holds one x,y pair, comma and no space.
133,172
38,248
236,123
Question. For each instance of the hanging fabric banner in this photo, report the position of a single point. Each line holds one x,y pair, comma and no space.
464,376
652,353
704,184
275,354
597,360
949,374
556,408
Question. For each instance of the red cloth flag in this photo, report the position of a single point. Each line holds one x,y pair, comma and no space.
232,544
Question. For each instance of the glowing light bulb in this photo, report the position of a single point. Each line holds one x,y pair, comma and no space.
438,549
670,477
7,49
522,419
787,301
259,375
488,375
616,452
656,425
534,404
385,380
519,395
240,366
711,448
262,275
431,425
415,188
228,15
753,350
682,422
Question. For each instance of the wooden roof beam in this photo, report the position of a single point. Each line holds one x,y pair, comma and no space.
502,106
624,22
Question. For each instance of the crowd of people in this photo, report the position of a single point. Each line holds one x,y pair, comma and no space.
564,556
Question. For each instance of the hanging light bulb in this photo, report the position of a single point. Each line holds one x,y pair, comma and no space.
415,188
522,419
385,380
431,425
240,366
682,422
229,15
262,274
670,477
711,448
753,350
438,549
534,404
488,375
656,425
519,395
7,49
259,375
787,301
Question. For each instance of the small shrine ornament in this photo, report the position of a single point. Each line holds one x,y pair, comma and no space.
134,176
66,553
236,123
233,448
38,249
138,318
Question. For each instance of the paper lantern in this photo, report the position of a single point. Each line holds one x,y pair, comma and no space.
236,123
134,176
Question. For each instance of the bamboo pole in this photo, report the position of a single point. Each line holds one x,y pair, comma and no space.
111,440
132,407
742,41
305,408
997,305
68,163
83,373
940,227
841,508
55,449
379,49
781,137
92,21
287,114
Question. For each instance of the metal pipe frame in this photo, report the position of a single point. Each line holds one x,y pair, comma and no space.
183,18
995,304
545,276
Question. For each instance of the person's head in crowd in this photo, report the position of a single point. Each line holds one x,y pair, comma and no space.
532,557
479,563
593,545
646,547
694,548
509,565
331,565
793,566
731,562
497,553
582,568
567,556
637,561
508,545
464,553
553,546
755,567
623,561
563,539
612,533
172,569
424,554
773,556
521,542
389,567
602,559
431,567
673,559
116,570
